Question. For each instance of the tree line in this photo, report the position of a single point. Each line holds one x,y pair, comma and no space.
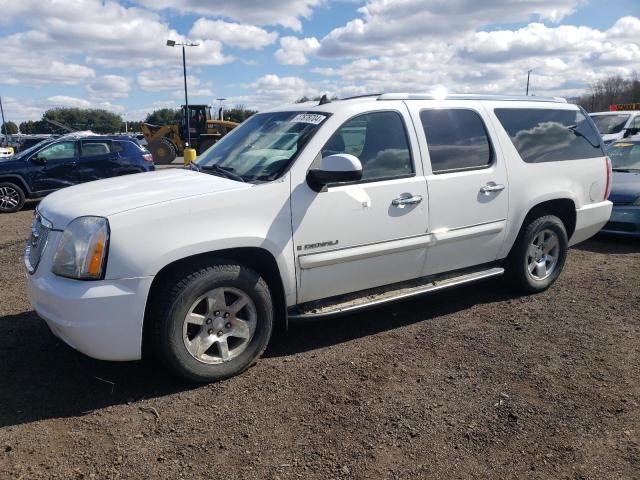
610,91
103,122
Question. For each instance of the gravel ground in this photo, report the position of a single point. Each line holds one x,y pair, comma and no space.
471,383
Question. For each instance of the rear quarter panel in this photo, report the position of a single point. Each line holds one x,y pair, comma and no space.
582,181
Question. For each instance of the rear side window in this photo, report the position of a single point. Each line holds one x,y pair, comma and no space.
457,140
126,147
93,148
544,135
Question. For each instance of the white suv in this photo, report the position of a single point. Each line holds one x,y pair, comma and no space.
315,210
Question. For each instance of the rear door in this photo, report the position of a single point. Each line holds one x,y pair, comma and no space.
97,160
467,182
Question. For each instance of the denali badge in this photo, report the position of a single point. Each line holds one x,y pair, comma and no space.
311,246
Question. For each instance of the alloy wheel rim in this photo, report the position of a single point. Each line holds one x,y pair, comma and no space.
219,325
9,198
543,254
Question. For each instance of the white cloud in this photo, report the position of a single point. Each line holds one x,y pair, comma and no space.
274,12
103,33
109,86
564,59
272,90
404,25
233,34
295,51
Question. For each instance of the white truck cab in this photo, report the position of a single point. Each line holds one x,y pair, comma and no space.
616,125
315,210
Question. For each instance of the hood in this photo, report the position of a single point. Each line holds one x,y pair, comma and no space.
625,187
114,195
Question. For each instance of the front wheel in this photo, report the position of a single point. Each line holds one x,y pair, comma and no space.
214,323
11,198
538,256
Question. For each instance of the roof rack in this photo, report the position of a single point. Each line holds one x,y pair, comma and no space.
424,96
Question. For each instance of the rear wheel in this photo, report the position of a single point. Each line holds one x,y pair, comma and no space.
163,151
214,323
538,256
11,198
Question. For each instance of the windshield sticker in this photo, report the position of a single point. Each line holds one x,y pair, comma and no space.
313,118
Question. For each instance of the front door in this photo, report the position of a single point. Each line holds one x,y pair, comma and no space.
365,234
468,187
57,166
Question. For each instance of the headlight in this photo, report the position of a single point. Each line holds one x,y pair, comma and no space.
83,249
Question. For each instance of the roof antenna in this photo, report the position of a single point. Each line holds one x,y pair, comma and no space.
324,100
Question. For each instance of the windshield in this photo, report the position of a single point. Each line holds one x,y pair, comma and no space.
32,148
262,147
608,124
625,155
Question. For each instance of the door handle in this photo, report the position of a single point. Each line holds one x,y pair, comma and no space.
403,200
70,164
491,188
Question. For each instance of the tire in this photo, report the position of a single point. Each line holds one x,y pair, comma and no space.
163,151
194,349
205,145
530,268
11,197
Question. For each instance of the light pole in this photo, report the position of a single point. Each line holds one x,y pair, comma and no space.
528,77
4,124
173,43
221,108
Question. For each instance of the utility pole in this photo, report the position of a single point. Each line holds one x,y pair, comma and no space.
528,77
4,124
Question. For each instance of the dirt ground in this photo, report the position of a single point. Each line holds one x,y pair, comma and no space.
471,383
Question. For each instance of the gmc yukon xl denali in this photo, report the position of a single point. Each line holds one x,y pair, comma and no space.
311,211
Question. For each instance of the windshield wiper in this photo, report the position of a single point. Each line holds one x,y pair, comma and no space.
577,133
194,166
223,172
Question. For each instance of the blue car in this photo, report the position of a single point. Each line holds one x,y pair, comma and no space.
69,160
625,188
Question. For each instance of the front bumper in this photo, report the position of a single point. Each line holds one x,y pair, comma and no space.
102,319
589,220
624,221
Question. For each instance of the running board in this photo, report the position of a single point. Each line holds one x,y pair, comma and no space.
375,297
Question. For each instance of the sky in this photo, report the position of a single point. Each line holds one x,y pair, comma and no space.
261,54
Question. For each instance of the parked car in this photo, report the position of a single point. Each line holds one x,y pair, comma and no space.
6,152
53,164
312,211
625,188
616,125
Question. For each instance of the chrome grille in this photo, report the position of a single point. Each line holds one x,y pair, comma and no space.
37,242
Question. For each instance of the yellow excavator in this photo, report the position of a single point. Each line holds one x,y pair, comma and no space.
166,142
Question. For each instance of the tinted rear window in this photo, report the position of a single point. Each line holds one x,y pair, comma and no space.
456,138
542,135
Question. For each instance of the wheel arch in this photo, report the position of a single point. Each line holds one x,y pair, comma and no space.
19,181
564,208
259,259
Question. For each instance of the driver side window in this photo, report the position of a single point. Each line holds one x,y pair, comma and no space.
380,142
59,151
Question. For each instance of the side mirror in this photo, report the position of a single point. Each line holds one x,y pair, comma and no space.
341,167
39,160
631,131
